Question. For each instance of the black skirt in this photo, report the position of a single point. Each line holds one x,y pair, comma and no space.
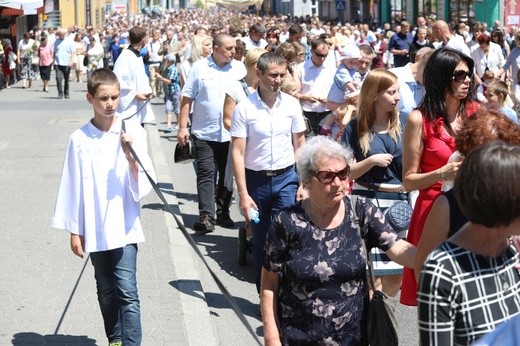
45,72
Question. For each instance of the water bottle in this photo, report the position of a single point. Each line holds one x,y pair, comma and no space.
254,215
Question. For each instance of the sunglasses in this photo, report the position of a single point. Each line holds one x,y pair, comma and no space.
460,75
326,177
323,56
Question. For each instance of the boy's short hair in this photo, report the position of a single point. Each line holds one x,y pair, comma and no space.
498,88
102,76
136,34
488,75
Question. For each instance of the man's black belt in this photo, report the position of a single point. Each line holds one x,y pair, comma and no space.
316,113
273,173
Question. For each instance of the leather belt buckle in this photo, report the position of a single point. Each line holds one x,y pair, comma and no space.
271,173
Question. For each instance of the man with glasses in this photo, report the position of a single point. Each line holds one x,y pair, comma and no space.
267,130
316,79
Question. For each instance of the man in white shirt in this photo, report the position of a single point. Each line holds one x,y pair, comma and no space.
410,78
316,79
441,32
135,86
154,62
256,37
205,89
267,130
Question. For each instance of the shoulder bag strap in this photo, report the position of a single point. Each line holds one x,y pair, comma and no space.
353,204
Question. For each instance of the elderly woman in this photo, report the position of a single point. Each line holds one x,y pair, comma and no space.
26,49
471,283
487,56
314,288
428,140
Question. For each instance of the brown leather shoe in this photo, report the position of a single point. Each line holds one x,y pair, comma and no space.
204,225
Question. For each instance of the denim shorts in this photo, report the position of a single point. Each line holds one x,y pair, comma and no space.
173,102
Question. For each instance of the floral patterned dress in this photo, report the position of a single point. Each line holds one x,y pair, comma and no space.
323,294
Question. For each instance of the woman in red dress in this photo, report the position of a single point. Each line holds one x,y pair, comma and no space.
428,140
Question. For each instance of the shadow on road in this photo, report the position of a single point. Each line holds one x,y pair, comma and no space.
30,338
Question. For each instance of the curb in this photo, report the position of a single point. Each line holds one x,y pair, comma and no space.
195,310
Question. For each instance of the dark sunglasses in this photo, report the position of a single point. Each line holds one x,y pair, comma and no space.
460,75
326,177
323,56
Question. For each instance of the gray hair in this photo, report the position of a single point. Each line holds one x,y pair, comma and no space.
316,149
270,58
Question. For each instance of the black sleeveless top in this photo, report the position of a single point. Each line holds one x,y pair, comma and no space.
457,219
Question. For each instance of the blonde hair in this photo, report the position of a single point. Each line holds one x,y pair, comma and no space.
252,56
288,85
196,46
376,81
498,88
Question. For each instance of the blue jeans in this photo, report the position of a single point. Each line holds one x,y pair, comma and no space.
271,194
115,273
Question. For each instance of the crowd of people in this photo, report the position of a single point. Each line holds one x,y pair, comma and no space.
302,114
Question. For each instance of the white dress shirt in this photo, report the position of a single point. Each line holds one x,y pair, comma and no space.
316,81
268,131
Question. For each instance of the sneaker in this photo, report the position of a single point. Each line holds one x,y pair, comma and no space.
67,96
205,224
225,221
168,130
115,343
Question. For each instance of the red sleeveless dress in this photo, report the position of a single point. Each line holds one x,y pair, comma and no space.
438,147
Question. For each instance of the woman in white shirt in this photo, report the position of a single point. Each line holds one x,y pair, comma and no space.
26,49
487,56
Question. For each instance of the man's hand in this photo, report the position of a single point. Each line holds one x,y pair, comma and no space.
183,136
77,244
246,202
143,96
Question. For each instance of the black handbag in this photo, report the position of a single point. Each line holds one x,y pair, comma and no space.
85,60
184,153
398,216
381,321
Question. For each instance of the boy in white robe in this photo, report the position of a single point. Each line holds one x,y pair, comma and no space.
135,84
98,204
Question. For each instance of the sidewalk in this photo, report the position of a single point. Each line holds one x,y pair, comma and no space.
38,270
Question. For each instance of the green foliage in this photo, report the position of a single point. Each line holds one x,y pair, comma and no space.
200,4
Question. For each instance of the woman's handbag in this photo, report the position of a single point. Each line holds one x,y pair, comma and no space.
184,153
85,60
381,321
398,216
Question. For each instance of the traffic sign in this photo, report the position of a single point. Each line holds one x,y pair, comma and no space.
340,5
